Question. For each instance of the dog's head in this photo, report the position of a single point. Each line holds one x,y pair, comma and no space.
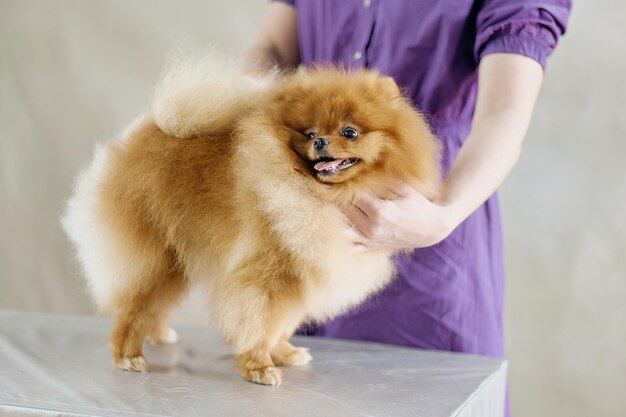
353,127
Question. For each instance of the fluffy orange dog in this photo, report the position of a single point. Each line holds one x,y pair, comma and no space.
235,182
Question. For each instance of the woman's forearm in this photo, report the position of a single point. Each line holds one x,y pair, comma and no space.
508,85
507,89
277,42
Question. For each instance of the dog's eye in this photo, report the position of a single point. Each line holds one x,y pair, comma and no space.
349,133
310,135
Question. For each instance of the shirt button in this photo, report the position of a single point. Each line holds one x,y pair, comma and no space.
357,55
367,3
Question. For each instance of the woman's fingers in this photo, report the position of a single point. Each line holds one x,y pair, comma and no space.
352,235
368,204
356,238
357,217
402,189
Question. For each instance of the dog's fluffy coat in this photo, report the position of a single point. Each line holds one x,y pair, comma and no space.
217,184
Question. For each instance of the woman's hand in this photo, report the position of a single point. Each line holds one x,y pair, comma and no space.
407,222
277,42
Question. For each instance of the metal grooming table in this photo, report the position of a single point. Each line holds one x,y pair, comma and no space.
56,365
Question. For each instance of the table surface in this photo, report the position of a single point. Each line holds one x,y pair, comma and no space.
62,364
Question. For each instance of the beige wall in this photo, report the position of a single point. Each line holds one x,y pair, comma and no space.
565,219
75,72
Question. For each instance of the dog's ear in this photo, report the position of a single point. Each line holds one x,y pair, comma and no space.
416,155
390,87
292,89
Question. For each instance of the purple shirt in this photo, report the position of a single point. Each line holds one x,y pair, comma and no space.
449,296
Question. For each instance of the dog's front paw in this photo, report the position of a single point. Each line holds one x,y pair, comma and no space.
134,364
270,375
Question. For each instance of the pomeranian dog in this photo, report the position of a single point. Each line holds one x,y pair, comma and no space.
236,182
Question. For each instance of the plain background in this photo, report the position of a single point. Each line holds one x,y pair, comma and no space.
76,72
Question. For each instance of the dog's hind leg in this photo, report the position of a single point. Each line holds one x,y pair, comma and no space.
286,354
142,312
162,333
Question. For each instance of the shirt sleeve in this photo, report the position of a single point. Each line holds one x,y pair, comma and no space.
530,28
291,2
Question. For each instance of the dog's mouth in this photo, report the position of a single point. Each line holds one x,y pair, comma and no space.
330,166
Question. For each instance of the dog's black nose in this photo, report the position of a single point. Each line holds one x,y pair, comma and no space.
320,144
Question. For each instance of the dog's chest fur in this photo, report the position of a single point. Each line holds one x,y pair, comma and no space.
335,277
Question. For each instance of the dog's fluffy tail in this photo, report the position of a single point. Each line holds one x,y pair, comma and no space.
203,95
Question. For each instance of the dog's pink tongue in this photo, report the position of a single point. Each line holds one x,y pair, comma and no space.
328,165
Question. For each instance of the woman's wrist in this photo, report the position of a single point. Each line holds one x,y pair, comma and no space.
452,215
433,223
